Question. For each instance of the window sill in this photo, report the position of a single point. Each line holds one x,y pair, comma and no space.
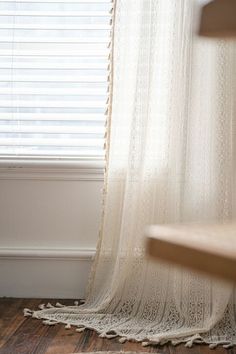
52,169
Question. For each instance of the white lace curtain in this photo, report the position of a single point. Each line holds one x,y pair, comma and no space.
170,159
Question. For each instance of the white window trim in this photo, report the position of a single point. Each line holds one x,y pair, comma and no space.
68,169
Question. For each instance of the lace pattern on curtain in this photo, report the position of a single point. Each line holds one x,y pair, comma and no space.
170,160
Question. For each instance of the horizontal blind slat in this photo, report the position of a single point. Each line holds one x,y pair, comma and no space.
63,40
55,53
52,116
49,26
43,66
61,1
52,92
52,129
50,142
25,78
56,104
56,13
29,152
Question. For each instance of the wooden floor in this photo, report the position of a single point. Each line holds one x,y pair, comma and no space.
24,335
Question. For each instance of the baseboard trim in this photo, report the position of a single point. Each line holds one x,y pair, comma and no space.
45,273
85,254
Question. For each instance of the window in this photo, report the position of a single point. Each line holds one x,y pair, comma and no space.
53,77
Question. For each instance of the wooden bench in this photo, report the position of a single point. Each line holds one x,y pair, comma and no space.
206,248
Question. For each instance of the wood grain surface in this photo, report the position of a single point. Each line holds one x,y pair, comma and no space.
25,335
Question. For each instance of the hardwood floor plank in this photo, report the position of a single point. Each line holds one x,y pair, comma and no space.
153,349
181,349
11,318
64,342
5,309
90,341
26,338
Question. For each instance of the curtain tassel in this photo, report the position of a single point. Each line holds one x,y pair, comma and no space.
213,345
145,344
49,305
80,329
41,306
27,312
49,322
227,346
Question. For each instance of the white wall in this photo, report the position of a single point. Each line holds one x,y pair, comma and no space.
49,223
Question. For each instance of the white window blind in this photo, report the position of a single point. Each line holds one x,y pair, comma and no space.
54,67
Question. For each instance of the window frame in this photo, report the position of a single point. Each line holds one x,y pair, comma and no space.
71,169
60,167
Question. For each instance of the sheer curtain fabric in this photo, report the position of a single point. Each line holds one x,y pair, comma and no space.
169,159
